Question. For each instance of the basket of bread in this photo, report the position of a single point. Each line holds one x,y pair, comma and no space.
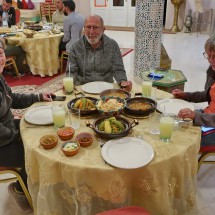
29,33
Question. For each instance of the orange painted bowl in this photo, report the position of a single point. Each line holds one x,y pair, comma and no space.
84,139
65,133
48,141
70,148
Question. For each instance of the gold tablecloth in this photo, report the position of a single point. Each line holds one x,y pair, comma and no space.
41,53
85,184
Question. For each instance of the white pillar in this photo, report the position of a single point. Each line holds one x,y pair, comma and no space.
148,33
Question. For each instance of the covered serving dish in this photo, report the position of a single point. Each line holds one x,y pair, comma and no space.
114,133
87,105
116,93
140,106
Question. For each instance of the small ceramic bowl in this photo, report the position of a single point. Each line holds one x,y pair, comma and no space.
84,139
65,133
70,148
49,141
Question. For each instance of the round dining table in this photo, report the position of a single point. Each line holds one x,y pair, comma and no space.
41,52
85,184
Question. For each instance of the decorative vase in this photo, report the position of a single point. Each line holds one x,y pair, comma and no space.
176,4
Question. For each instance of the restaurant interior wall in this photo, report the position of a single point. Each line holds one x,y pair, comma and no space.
183,11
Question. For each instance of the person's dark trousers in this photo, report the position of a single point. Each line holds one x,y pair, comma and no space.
18,52
12,155
62,47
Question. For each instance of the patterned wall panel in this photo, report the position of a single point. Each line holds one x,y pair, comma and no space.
148,33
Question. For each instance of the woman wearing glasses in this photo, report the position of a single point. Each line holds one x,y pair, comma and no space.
205,117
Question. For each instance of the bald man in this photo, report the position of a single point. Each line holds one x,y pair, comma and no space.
96,57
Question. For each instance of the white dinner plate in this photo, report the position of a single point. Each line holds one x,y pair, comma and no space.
127,152
173,105
96,87
41,115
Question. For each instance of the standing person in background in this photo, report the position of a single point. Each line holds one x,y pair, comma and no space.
73,26
58,16
7,13
96,57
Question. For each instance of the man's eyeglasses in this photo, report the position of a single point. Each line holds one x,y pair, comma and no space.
206,56
95,28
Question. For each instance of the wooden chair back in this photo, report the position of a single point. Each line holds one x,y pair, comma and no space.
45,11
52,9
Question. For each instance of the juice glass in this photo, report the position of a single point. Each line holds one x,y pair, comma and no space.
146,88
166,128
68,84
59,115
146,84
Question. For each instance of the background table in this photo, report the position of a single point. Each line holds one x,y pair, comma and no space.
172,79
85,184
41,53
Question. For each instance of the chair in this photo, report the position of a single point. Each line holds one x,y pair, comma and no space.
131,210
15,172
64,56
206,152
10,61
52,9
45,11
49,1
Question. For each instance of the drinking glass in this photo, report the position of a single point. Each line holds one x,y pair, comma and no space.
13,28
146,84
59,115
166,127
74,117
68,84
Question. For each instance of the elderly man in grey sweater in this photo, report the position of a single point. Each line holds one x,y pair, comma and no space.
96,57
73,25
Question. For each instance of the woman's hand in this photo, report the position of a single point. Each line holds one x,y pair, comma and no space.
186,113
178,94
126,85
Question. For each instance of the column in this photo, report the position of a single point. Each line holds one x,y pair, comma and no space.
148,33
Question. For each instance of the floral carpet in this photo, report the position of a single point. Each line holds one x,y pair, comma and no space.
50,86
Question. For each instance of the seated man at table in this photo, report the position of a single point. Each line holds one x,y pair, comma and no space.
96,57
7,13
73,25
11,145
58,16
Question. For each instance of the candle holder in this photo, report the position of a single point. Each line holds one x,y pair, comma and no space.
176,4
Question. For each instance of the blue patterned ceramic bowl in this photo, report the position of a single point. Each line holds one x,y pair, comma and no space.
111,106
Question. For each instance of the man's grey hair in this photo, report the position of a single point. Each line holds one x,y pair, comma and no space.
210,44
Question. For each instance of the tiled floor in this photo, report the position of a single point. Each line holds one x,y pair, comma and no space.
185,50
